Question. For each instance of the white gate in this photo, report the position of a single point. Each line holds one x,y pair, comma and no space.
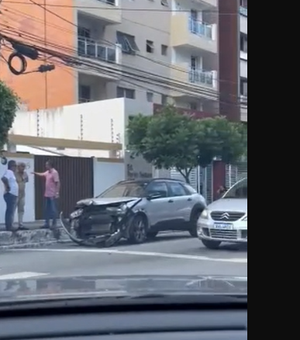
235,172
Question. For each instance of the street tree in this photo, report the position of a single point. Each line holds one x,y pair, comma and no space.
166,140
8,107
218,137
173,140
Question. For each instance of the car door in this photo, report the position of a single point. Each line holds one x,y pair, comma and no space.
181,201
157,208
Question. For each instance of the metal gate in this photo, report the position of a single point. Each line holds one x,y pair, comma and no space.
235,173
201,179
76,178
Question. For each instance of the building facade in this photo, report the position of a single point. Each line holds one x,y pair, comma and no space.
244,58
157,51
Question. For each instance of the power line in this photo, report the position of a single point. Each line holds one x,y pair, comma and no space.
170,66
116,8
124,75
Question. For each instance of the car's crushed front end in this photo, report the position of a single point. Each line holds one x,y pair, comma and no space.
101,221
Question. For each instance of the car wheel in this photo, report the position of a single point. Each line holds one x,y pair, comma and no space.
211,244
138,229
193,223
151,235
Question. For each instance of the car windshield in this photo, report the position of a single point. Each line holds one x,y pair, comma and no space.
239,190
124,190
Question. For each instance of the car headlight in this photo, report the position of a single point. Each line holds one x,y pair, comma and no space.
123,206
76,213
205,214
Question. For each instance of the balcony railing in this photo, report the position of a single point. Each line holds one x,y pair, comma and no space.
201,77
201,29
91,49
109,2
244,11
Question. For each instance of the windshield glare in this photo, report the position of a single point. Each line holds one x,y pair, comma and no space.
239,190
124,190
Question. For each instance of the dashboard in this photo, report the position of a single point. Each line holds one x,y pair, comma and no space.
112,324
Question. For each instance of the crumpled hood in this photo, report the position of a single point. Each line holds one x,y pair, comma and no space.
68,287
105,201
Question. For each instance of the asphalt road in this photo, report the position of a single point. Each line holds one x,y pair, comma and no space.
168,254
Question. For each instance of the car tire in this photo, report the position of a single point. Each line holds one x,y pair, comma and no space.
151,235
138,229
211,244
193,222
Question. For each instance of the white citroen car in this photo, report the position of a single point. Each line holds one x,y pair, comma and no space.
225,220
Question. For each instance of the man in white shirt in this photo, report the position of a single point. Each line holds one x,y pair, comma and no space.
11,192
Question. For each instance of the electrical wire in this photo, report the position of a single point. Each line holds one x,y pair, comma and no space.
129,78
170,66
116,8
77,26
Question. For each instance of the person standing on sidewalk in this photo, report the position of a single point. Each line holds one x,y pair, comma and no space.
22,179
11,192
52,188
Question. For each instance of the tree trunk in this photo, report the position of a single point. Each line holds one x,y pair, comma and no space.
185,173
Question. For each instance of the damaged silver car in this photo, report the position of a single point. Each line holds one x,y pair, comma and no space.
135,211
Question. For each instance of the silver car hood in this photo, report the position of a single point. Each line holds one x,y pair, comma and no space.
106,201
230,204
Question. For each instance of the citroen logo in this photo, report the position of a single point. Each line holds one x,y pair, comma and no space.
225,216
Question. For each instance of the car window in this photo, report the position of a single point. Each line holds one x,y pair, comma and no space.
157,187
125,190
176,189
189,189
239,190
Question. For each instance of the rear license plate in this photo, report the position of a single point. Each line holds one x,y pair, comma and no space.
223,226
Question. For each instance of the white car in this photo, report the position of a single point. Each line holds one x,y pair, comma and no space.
226,220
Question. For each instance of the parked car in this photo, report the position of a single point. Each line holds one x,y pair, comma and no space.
226,220
164,204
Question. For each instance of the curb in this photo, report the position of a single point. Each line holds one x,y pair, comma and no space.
31,239
40,238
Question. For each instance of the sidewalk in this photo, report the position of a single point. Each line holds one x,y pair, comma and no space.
31,238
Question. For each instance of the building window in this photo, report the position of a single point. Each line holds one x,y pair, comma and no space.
84,32
164,49
127,42
164,99
149,97
122,92
193,106
244,43
244,87
149,46
244,3
84,94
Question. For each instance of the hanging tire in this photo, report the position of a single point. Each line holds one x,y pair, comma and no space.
211,244
138,229
193,223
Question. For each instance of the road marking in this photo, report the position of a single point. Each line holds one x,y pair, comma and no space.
144,253
20,275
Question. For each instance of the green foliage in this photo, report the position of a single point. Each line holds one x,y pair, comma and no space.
170,139
8,108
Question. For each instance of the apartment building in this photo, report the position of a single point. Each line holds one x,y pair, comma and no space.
244,58
233,73
154,50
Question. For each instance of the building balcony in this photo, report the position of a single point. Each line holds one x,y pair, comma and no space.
108,11
191,34
157,108
244,11
197,79
103,55
207,4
